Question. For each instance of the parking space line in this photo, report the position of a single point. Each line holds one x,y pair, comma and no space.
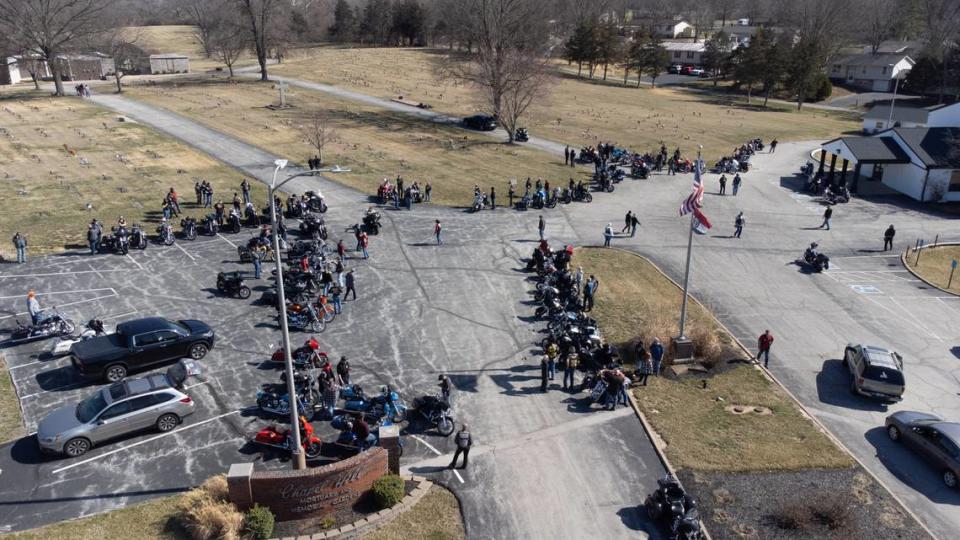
917,324
67,304
178,246
150,439
76,384
65,273
63,292
136,262
437,452
224,238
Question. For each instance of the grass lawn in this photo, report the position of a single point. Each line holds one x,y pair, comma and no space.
374,143
699,431
935,266
579,111
11,426
435,517
152,520
181,39
57,155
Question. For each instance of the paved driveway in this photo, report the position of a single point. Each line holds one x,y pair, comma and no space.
544,465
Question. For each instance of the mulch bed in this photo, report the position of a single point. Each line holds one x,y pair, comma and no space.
815,503
364,507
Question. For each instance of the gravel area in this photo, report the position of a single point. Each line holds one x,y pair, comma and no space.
816,503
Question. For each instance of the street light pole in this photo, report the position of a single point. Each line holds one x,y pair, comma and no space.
893,102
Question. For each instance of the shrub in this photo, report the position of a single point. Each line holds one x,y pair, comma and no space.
834,512
823,88
258,523
206,514
216,487
794,516
388,490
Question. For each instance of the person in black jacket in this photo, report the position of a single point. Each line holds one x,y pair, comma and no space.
464,442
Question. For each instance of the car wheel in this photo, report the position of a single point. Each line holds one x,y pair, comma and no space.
198,351
115,373
167,422
76,447
894,433
950,479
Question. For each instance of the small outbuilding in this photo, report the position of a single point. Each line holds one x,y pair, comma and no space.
9,70
161,64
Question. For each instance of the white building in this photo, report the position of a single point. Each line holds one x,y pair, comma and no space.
875,120
9,70
169,63
674,29
871,72
685,52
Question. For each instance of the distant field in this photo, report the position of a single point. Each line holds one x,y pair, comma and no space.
578,112
178,39
374,143
57,155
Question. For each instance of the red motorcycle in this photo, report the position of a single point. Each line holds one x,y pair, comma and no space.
307,356
279,437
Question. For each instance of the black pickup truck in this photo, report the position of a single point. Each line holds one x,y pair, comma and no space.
140,344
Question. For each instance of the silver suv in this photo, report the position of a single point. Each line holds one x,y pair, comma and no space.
877,372
119,409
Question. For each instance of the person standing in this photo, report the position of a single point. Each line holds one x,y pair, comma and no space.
570,371
329,394
723,184
493,198
438,232
607,234
364,244
627,221
236,202
445,388
634,223
464,442
94,236
888,238
646,367
656,356
245,189
341,249
588,291
511,193
827,214
578,279
773,146
20,244
763,344
199,192
738,224
541,225
552,352
255,259
349,283
736,183
566,156
427,190
343,371
544,372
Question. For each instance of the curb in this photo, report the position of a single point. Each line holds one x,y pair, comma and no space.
903,261
775,380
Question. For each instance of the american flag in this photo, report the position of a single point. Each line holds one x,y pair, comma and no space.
694,202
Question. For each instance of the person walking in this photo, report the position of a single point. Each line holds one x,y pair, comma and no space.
588,291
736,184
541,225
607,234
627,221
827,214
349,285
634,223
445,388
255,259
646,367
364,244
438,232
493,198
723,184
763,344
544,372
94,236
656,355
341,249
464,442
773,146
20,244
888,238
570,370
738,224
566,156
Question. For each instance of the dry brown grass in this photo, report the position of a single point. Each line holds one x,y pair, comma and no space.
11,425
579,111
46,186
935,266
435,517
374,143
635,299
153,520
180,39
206,514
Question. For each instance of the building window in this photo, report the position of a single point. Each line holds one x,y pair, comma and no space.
676,54
955,181
836,68
879,125
877,172
689,54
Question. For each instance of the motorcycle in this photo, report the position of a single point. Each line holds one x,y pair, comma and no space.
93,328
138,238
312,225
232,283
277,437
305,318
479,202
315,202
348,439
814,260
437,412
55,324
307,356
165,234
209,224
233,223
118,242
266,251
279,404
674,507
387,405
189,228
371,222
838,195
521,135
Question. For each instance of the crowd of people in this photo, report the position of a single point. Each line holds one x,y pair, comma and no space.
398,194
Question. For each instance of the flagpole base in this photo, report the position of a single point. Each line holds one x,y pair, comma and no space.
682,349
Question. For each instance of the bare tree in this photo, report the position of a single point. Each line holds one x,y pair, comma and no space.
318,132
530,80
48,28
878,21
941,18
259,14
121,44
227,42
205,16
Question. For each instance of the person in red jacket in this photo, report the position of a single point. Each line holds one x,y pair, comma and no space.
763,344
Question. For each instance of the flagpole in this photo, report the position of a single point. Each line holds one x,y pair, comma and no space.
686,273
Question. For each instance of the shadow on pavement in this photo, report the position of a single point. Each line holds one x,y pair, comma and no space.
910,468
833,388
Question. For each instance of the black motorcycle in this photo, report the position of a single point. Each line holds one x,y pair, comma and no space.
209,224
521,135
315,202
673,507
313,226
189,228
233,223
138,239
437,412
117,242
813,260
55,324
371,222
232,283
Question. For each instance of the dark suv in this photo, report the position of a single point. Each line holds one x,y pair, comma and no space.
481,122
877,372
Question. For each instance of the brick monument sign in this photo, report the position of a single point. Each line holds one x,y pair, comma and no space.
313,492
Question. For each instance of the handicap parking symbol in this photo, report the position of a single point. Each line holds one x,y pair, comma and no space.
866,289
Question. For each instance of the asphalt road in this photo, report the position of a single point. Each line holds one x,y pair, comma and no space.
461,309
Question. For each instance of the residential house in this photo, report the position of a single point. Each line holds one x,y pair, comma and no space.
671,28
871,72
685,52
674,29
907,115
169,63
9,70
909,48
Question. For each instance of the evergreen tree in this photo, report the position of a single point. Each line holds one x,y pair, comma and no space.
609,45
408,22
581,46
716,54
344,22
375,23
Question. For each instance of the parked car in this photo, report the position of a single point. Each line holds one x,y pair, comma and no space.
877,372
938,442
707,74
139,344
119,409
674,69
481,122
696,72
687,69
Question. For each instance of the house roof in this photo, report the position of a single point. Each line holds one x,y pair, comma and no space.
874,149
873,60
938,148
684,46
169,56
894,46
916,115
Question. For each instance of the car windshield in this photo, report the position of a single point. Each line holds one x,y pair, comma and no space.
91,407
883,374
179,327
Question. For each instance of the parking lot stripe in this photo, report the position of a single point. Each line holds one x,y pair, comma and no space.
437,452
65,305
178,246
151,439
136,262
224,238
57,389
64,292
65,273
